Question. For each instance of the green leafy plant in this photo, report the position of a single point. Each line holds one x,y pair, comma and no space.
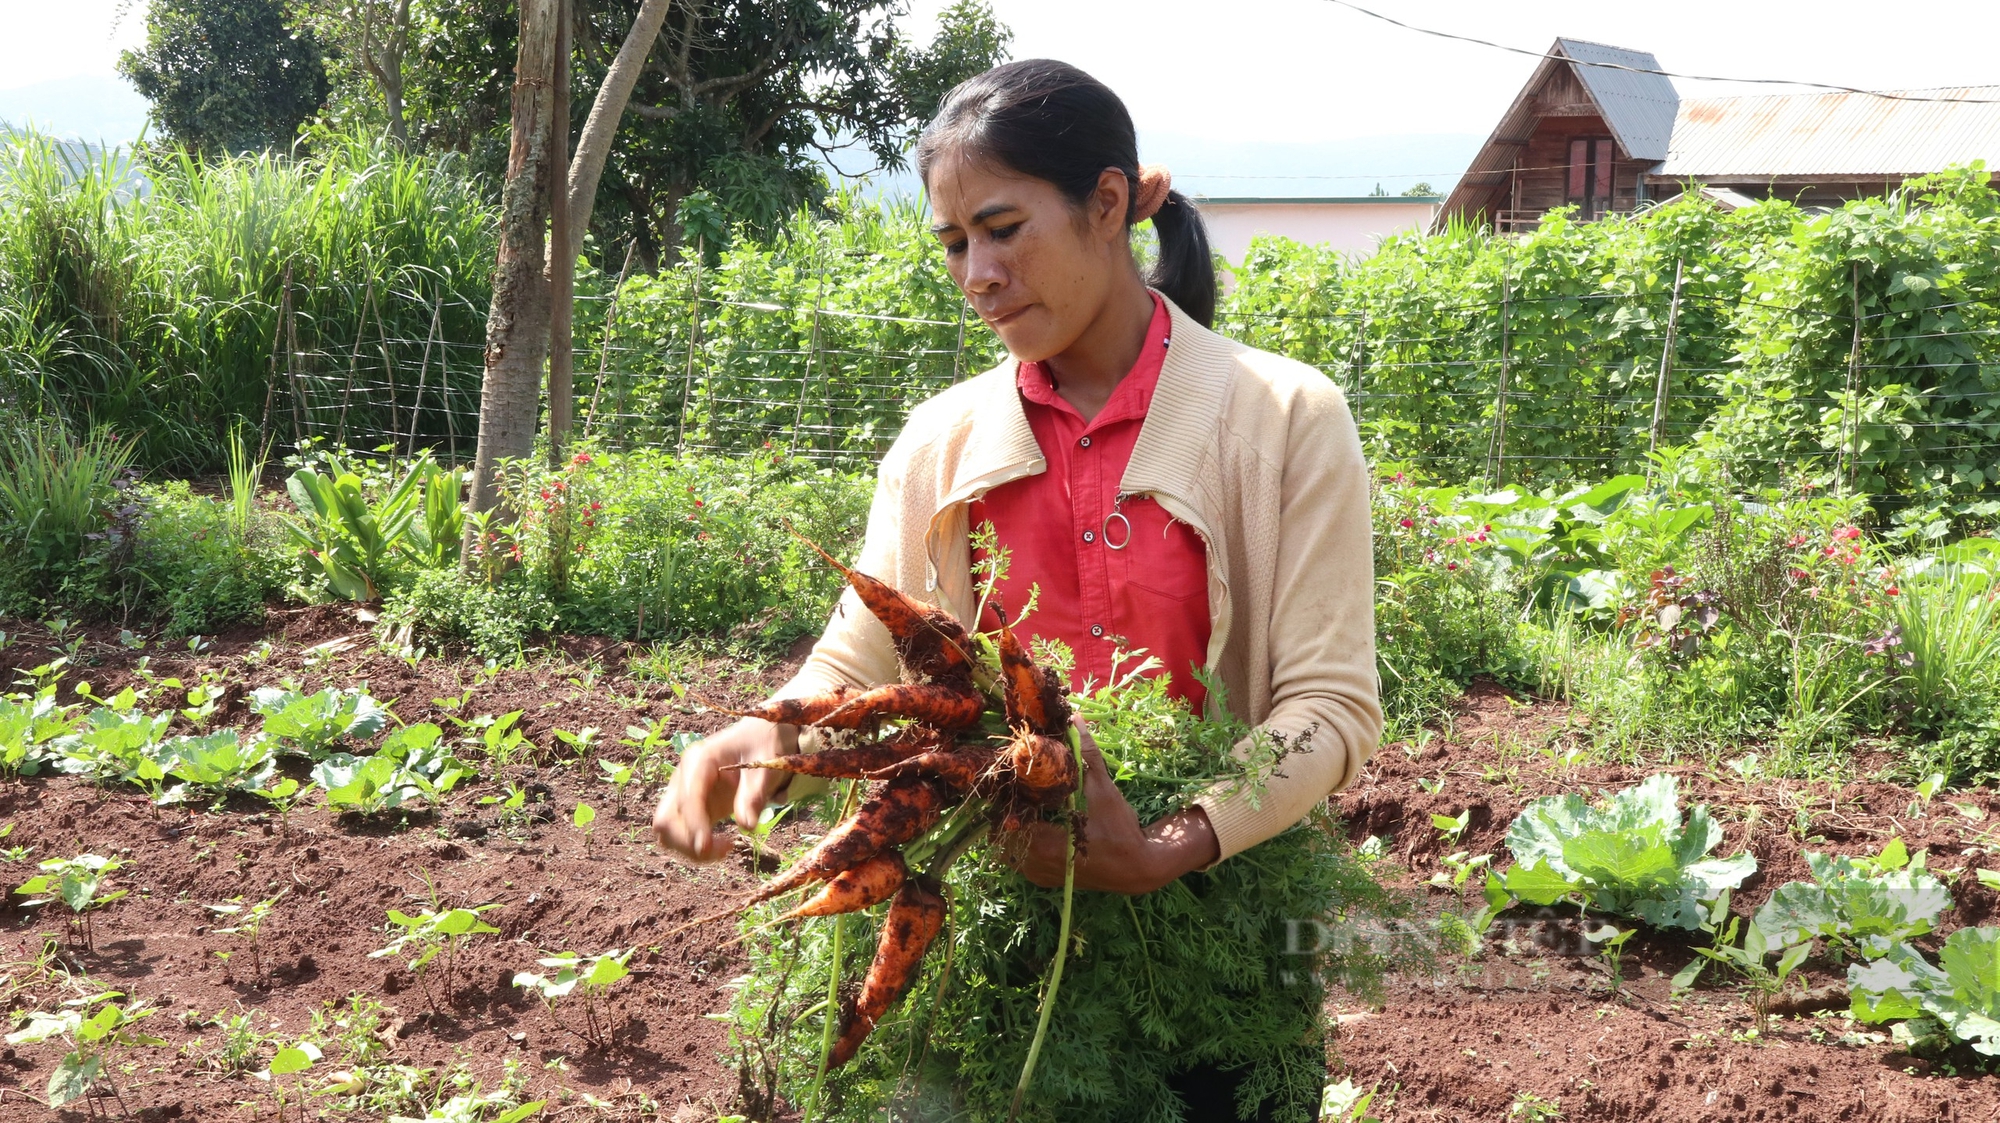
586,979
352,541
433,936
288,1061
619,776
248,925
412,767
79,884
1957,1001
33,731
93,1027
216,765
1747,959
312,724
1859,906
1630,855
1611,940
54,493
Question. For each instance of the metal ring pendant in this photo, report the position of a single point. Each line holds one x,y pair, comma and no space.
1123,542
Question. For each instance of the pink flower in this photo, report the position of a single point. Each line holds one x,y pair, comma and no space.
1451,565
1407,524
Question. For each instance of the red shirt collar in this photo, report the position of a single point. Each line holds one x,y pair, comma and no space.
1134,393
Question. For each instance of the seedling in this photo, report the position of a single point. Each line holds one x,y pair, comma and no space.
1613,940
1746,959
1347,1102
583,817
92,1034
584,740
1451,826
77,882
249,923
654,750
288,1061
1461,866
283,795
421,939
589,979
618,776
1531,1108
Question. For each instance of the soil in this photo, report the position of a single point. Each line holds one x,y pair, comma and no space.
1531,1023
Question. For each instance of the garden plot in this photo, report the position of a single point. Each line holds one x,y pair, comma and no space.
1529,1026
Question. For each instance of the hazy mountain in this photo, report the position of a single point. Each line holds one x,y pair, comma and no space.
1235,169
97,108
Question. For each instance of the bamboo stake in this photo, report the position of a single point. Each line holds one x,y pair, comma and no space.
423,371
353,361
604,347
1850,450
1496,457
1661,388
812,356
694,346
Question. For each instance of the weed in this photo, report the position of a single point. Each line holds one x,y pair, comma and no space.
78,883
249,923
586,979
94,1027
1531,1108
433,936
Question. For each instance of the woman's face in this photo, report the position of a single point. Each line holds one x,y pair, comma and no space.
1035,268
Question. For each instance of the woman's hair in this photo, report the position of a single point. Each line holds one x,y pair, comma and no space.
1050,121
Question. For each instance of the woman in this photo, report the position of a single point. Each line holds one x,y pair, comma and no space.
1159,486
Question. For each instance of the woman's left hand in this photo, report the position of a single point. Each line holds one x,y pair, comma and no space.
1117,855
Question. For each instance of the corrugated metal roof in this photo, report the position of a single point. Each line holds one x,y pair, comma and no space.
1638,107
1834,134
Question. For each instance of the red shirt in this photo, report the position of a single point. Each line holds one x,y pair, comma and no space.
1060,526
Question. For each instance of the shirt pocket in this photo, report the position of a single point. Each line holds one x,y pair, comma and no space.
1164,558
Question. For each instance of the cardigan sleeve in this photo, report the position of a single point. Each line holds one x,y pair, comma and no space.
1324,690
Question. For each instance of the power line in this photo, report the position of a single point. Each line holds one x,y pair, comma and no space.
1887,95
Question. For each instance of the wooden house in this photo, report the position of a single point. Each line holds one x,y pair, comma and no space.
1599,128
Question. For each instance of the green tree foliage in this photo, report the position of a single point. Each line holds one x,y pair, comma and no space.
744,99
227,76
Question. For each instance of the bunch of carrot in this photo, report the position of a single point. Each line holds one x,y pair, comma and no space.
936,760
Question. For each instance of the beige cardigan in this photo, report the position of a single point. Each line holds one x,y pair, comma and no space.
1259,455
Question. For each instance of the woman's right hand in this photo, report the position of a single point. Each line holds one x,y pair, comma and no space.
702,795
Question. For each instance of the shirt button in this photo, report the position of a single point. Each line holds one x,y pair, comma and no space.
1085,442
1097,630
1090,536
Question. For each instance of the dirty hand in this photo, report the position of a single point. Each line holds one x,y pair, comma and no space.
701,794
1118,855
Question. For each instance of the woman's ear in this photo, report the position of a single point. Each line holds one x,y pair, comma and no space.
1110,203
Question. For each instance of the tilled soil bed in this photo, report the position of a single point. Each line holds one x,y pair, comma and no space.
1529,1029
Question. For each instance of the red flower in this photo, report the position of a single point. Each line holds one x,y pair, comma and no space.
1407,524
1451,565
580,458
1847,533
699,503
1893,591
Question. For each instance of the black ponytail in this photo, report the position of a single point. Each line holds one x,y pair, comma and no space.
1052,122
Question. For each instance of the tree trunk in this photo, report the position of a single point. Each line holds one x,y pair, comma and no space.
517,325
595,144
562,261
392,69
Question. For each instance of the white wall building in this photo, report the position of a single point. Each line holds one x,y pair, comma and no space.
1353,225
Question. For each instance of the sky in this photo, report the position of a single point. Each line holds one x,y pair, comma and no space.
1243,97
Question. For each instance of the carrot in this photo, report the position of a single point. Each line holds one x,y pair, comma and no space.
846,764
1044,769
905,808
864,886
947,707
929,643
959,769
915,918
797,711
1034,695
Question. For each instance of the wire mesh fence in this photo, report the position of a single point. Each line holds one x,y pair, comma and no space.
1527,388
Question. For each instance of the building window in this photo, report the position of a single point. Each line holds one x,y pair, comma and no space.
1589,185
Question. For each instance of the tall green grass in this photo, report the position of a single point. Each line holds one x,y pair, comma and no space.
54,494
169,299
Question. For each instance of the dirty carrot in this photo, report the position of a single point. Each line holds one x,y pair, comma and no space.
1034,695
947,707
841,764
959,769
914,919
904,809
929,642
804,710
864,886
1044,768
